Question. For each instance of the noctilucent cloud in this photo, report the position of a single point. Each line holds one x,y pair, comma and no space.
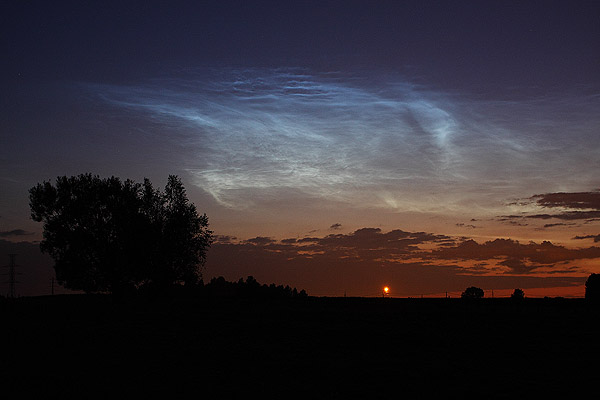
370,141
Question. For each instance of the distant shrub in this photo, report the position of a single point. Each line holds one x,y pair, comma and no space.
472,293
518,294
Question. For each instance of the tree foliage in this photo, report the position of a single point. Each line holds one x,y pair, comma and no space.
592,288
472,293
108,235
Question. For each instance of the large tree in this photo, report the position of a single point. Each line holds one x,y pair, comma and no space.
592,288
108,235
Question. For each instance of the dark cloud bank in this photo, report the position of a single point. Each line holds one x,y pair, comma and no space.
595,237
579,200
14,232
571,206
416,262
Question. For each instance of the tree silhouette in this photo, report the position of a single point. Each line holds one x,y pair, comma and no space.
250,288
180,236
518,294
472,293
108,235
592,288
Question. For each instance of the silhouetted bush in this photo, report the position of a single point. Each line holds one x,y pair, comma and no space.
472,293
592,288
518,294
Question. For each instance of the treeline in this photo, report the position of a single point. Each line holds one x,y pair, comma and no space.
221,288
250,288
216,287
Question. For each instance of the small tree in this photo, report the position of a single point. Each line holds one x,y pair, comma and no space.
108,235
592,288
472,293
518,294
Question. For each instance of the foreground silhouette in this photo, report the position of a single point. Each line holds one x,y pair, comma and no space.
108,235
219,288
250,288
518,295
472,293
592,288
86,346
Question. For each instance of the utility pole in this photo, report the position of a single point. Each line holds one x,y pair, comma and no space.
12,275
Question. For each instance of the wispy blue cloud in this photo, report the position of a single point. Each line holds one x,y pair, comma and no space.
382,142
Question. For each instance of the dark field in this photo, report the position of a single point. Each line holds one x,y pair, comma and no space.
85,346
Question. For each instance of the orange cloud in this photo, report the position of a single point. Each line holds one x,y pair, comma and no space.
544,253
416,261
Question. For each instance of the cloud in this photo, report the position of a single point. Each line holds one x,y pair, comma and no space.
260,241
572,206
15,232
223,239
565,216
257,134
512,220
363,244
556,224
518,266
463,225
372,243
578,200
569,215
520,258
414,261
335,226
397,247
595,237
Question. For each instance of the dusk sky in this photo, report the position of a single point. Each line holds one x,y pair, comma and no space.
336,146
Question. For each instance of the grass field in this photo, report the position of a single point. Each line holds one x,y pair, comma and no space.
87,347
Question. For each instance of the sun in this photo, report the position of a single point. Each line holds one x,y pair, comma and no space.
386,290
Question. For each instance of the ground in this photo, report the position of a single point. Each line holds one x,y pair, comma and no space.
91,347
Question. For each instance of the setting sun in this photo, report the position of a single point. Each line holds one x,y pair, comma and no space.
386,290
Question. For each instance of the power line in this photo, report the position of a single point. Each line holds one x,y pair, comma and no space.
12,275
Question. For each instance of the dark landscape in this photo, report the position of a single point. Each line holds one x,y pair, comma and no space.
233,347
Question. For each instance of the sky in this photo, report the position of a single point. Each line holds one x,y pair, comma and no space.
336,146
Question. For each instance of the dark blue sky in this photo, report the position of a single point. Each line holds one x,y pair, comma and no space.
458,44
